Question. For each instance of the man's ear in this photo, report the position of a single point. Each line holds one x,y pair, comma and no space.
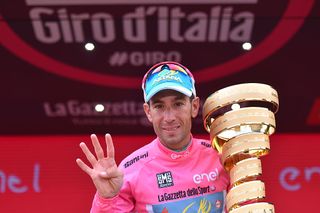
195,105
146,109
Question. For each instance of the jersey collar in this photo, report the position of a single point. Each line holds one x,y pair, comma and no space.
174,155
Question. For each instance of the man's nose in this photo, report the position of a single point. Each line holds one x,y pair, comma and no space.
169,115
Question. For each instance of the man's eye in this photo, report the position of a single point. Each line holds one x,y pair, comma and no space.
179,104
158,106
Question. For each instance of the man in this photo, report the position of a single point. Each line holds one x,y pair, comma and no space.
173,173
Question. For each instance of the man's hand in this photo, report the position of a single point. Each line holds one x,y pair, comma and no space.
105,174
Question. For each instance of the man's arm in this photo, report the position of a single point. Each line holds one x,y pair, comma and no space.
121,203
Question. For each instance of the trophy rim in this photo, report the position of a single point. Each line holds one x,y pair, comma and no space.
246,93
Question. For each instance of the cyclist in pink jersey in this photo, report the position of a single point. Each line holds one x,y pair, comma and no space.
175,172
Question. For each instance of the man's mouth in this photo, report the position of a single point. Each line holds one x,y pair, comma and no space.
170,128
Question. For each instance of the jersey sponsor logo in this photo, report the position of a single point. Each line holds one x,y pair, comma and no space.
172,196
211,176
165,179
135,159
190,192
209,203
203,143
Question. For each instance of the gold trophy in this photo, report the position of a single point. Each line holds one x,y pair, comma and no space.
240,119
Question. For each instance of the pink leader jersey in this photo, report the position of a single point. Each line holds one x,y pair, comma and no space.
157,179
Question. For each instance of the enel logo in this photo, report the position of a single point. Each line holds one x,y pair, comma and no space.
15,184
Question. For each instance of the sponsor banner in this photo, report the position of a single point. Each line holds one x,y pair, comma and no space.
123,31
75,115
39,173
60,59
292,172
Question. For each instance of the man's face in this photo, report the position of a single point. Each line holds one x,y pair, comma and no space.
171,114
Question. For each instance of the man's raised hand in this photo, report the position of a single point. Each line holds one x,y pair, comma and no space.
105,174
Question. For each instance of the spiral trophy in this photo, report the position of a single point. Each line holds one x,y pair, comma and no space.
240,119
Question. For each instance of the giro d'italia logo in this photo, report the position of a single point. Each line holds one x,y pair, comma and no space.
131,36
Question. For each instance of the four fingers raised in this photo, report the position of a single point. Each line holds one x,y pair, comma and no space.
98,151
